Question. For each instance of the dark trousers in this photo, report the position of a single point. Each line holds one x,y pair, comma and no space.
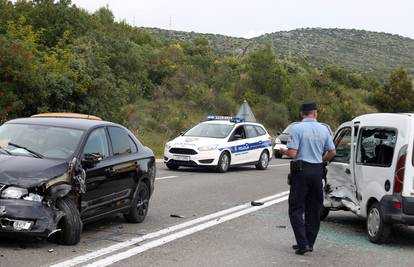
305,202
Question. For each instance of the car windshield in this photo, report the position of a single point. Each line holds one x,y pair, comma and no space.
212,130
39,141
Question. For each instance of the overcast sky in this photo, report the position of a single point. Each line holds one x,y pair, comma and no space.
251,18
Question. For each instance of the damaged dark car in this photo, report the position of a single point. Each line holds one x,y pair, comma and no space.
57,173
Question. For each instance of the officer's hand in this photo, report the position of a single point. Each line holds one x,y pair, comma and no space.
283,151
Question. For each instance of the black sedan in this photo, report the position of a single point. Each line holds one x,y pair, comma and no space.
58,173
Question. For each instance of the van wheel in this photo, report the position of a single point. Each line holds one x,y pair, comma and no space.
172,167
139,204
70,224
378,231
263,161
223,163
324,213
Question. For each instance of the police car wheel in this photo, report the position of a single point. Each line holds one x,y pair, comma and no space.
223,163
172,167
378,231
263,161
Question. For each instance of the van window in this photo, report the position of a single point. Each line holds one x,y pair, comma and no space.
343,146
376,146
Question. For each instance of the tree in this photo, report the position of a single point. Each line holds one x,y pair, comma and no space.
397,95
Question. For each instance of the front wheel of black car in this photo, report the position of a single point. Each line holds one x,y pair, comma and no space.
139,205
70,224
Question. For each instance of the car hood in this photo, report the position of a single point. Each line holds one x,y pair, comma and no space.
29,172
195,142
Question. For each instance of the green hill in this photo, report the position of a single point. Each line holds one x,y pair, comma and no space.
365,51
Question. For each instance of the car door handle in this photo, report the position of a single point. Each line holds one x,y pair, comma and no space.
110,171
347,171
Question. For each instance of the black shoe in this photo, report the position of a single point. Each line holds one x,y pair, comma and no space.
301,251
295,247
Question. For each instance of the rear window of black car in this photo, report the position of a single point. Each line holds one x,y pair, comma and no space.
122,143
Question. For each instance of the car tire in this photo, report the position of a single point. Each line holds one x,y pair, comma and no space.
324,213
70,224
263,161
378,231
278,155
139,205
172,167
223,164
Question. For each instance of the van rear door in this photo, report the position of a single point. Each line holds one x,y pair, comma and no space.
340,189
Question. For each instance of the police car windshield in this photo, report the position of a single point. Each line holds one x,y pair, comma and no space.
212,130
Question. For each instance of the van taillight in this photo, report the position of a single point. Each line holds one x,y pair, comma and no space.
399,173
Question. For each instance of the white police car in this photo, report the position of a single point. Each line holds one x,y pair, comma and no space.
220,142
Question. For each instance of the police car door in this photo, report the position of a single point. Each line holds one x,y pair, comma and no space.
255,143
340,176
238,146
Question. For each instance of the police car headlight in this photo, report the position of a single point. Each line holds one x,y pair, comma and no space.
207,148
277,140
168,146
14,192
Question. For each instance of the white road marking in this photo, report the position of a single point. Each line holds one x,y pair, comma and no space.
103,251
166,177
166,239
279,165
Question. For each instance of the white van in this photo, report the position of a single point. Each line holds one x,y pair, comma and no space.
373,171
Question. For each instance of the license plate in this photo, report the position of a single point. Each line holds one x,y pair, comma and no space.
182,158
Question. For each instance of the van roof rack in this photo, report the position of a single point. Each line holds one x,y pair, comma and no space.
66,115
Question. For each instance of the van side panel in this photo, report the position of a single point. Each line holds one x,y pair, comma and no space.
371,179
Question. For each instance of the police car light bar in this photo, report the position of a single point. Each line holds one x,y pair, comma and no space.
225,118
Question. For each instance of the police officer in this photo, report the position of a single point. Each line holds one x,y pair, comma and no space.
310,146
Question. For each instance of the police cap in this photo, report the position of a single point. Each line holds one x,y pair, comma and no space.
308,106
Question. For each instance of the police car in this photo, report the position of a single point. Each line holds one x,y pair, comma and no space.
220,142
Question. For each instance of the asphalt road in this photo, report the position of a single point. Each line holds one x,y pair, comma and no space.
219,228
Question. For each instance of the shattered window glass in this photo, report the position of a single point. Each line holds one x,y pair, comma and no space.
376,146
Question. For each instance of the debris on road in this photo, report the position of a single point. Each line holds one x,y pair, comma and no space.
256,203
51,250
281,226
177,216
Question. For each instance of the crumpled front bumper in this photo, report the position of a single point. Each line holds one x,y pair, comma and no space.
44,219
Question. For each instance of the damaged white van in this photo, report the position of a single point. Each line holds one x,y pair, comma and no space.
373,171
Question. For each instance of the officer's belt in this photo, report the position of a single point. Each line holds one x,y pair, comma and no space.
308,164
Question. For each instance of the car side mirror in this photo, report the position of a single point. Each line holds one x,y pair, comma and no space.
91,159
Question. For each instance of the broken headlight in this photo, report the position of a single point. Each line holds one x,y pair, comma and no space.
14,192
33,197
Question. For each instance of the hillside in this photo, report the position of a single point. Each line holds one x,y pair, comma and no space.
365,51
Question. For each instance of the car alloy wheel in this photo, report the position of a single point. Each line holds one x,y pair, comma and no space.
377,229
225,162
264,160
143,201
373,223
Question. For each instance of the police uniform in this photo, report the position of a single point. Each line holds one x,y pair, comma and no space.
311,140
